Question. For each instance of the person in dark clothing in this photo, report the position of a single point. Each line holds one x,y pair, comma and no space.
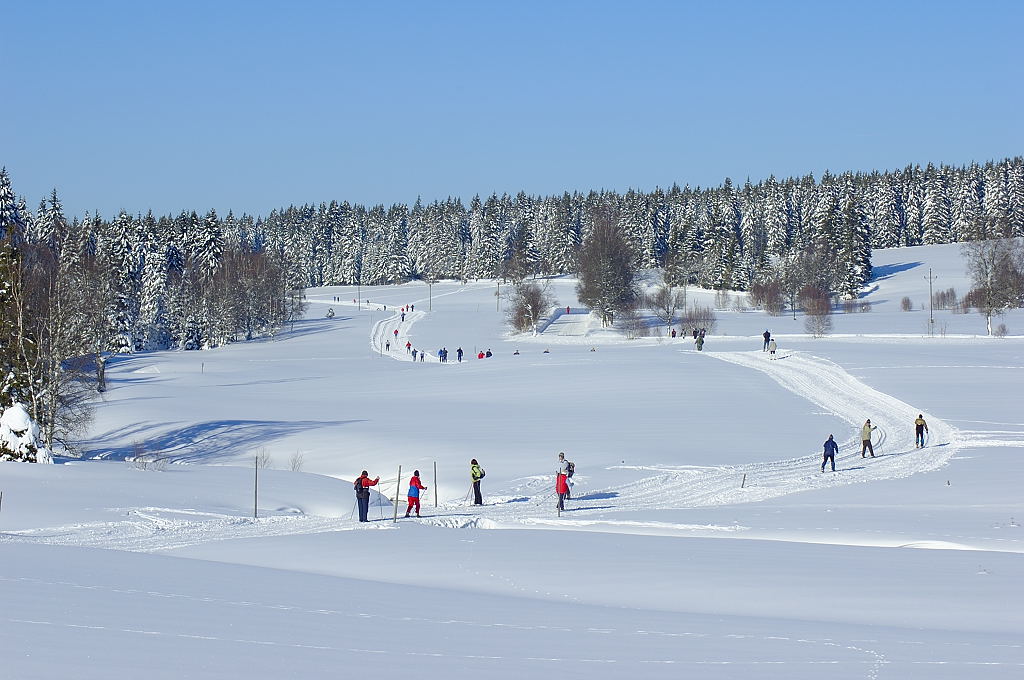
476,473
767,337
458,353
831,449
694,333
920,427
362,488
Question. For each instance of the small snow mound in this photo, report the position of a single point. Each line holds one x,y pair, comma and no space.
16,419
148,369
19,437
463,523
936,545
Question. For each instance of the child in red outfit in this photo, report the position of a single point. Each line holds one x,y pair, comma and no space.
415,486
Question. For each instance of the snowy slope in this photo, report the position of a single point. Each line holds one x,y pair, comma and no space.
702,538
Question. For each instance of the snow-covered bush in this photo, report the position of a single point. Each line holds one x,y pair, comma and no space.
19,437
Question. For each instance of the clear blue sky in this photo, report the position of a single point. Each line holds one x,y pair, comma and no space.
254,105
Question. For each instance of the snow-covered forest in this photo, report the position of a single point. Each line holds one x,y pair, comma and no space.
163,273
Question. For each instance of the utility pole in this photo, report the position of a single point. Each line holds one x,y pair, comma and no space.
931,297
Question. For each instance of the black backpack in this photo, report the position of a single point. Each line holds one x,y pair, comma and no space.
358,484
571,468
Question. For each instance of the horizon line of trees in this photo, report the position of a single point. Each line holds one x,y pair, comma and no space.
75,291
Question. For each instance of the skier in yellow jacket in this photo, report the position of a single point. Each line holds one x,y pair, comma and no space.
865,438
920,427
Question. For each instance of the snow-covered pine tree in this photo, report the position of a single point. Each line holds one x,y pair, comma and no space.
151,331
20,437
854,256
936,210
968,207
996,202
12,222
1015,195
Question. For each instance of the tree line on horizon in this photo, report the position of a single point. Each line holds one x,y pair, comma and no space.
93,287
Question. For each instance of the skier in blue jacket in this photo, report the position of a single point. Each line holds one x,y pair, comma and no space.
831,449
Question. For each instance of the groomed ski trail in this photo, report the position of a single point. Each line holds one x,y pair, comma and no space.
531,503
830,387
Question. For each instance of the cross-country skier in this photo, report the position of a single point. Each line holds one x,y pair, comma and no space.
831,449
561,480
865,438
476,473
772,346
362,487
920,427
458,352
767,337
415,486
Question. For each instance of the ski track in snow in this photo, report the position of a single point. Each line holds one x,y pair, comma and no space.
530,503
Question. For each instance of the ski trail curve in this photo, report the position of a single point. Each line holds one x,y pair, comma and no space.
383,331
830,387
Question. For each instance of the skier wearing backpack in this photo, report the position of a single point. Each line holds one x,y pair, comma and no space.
562,480
920,427
476,473
362,488
415,486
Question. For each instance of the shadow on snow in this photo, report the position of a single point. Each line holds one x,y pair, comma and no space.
212,441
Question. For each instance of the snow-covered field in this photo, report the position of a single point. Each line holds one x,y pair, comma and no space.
702,540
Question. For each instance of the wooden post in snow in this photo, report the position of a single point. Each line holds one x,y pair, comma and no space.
435,484
256,488
743,484
398,486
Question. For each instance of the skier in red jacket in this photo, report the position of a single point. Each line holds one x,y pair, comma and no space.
562,480
415,486
362,487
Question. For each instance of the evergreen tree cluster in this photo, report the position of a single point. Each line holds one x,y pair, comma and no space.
722,237
73,292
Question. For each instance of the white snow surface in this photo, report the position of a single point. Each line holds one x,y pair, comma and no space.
702,539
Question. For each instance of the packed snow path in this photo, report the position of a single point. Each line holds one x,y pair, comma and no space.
822,382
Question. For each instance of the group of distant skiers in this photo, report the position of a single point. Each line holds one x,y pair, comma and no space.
831,448
362,484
